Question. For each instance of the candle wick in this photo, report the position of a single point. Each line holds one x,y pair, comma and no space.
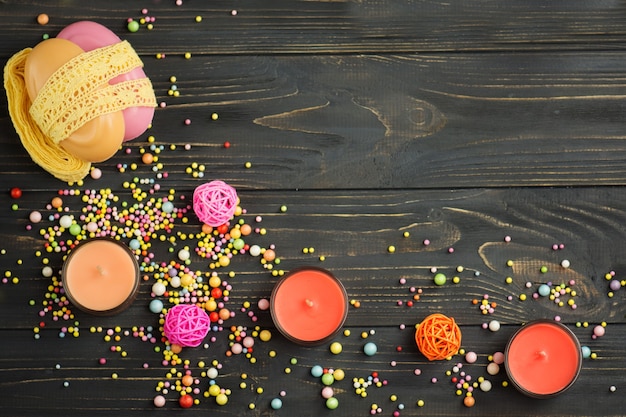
309,302
101,270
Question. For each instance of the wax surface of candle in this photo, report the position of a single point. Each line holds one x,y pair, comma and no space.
543,358
309,305
100,275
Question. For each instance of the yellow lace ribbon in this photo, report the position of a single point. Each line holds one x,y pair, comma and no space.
75,94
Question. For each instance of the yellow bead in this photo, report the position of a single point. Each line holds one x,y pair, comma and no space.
339,374
265,335
214,390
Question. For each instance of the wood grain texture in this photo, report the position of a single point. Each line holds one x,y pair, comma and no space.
342,26
460,123
397,121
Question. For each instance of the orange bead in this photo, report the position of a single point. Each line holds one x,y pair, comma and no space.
57,202
245,229
224,314
206,229
43,19
147,158
176,348
187,380
469,401
269,255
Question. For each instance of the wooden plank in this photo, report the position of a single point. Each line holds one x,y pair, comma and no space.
331,27
35,382
353,231
406,121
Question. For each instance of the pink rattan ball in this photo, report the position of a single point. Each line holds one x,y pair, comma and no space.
186,325
214,203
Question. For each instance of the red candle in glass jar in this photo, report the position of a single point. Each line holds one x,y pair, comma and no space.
543,358
309,305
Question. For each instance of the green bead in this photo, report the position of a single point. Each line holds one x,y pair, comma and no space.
133,26
439,279
328,379
75,229
332,403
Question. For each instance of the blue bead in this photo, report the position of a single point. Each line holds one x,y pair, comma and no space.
317,371
586,351
370,349
544,290
156,306
168,207
276,403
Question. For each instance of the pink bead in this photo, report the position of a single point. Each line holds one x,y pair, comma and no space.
598,331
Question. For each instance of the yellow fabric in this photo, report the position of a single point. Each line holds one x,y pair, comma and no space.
41,148
76,93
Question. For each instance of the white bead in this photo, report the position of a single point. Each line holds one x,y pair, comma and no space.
212,373
65,221
158,288
183,255
485,386
255,250
494,325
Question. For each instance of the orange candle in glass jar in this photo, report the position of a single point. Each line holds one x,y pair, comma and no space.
101,276
309,305
543,358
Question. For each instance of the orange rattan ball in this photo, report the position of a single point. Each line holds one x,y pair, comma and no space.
438,337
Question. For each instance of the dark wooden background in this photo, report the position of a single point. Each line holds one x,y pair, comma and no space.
461,122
